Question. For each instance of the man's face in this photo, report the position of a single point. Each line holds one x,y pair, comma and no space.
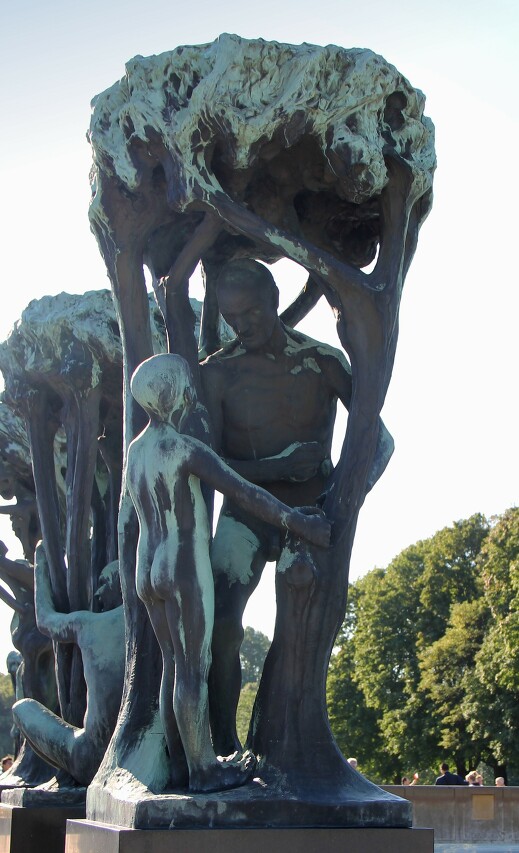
251,313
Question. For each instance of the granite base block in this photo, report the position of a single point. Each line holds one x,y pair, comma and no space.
35,830
84,836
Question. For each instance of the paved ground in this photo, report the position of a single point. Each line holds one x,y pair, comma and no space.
476,848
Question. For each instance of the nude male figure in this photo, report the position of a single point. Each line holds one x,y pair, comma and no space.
271,396
173,573
100,637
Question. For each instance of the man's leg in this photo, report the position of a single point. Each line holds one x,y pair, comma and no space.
54,740
238,557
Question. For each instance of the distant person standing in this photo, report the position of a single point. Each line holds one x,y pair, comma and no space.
448,778
352,762
7,763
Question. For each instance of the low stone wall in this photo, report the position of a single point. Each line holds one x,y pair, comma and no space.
464,814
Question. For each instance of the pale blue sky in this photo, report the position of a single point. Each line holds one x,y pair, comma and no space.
452,405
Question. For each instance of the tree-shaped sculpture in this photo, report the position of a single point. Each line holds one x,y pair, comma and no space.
61,365
35,678
251,149
61,457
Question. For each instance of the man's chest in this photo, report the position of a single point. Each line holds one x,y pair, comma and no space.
261,399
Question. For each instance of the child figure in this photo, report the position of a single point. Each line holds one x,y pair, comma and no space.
174,576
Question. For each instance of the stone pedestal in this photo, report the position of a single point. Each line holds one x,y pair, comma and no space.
258,805
46,798
84,836
35,830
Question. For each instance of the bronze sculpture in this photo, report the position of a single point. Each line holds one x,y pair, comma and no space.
323,163
238,152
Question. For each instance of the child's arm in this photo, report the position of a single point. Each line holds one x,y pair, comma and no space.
209,468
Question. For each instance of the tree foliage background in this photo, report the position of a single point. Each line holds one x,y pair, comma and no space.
252,657
6,717
426,666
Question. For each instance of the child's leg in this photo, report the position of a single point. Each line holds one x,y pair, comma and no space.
179,770
190,609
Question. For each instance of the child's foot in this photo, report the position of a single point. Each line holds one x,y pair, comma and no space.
224,774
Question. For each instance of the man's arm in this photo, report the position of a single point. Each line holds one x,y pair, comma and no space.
209,468
212,386
338,373
17,570
62,627
299,462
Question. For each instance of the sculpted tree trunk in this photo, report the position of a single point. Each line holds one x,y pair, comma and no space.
35,674
311,593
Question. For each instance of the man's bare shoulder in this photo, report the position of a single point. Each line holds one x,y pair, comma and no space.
299,343
219,360
220,369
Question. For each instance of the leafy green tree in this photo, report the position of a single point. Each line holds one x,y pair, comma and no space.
447,673
450,573
388,624
397,614
6,717
252,655
491,704
354,725
244,712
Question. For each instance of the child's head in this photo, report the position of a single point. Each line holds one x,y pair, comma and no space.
108,594
163,385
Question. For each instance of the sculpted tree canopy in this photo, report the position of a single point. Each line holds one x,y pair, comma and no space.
16,480
301,145
253,151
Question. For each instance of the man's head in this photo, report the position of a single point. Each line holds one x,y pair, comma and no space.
500,782
444,767
7,762
248,299
163,385
108,594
